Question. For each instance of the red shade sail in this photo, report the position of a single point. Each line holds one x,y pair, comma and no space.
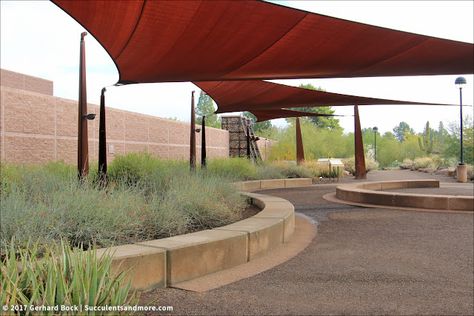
284,113
162,40
253,95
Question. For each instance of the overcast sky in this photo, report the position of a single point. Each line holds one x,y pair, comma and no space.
38,39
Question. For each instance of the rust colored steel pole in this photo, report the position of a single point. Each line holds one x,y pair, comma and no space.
360,171
102,141
82,141
203,143
192,140
299,143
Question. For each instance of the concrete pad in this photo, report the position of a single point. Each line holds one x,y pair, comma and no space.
144,266
298,182
263,234
197,254
272,184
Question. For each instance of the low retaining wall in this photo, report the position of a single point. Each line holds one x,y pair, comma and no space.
168,261
372,193
255,185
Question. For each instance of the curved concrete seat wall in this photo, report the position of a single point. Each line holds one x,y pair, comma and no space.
168,261
373,193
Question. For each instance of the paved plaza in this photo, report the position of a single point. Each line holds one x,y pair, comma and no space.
362,261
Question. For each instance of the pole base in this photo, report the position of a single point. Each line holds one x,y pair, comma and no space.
461,173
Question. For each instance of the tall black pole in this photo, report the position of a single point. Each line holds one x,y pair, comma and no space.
192,140
461,129
203,143
102,141
82,141
248,141
375,146
375,129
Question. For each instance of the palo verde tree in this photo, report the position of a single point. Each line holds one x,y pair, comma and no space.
401,130
319,121
205,107
260,127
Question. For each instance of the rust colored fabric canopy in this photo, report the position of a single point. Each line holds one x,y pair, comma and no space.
165,41
257,95
284,113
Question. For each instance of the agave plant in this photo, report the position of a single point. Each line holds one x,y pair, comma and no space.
62,276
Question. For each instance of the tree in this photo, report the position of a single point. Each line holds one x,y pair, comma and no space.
452,143
426,140
401,130
319,121
205,107
259,127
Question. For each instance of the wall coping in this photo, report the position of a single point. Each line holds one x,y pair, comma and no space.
169,261
371,193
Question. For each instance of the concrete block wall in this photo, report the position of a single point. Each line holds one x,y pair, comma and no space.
24,82
36,127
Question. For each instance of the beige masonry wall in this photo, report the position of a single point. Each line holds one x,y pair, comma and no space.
24,82
37,128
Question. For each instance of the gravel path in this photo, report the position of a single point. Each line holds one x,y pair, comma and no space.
363,261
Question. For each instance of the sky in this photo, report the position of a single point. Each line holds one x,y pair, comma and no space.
39,39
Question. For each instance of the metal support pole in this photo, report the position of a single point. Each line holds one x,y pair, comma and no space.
248,141
203,143
192,140
360,169
102,141
461,128
82,140
375,145
299,143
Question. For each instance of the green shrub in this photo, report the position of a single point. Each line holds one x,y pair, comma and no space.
205,202
61,276
269,171
232,168
292,170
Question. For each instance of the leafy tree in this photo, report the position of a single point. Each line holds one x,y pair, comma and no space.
260,127
205,107
402,129
318,121
453,147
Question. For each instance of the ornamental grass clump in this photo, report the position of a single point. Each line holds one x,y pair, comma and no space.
292,170
59,275
232,168
48,203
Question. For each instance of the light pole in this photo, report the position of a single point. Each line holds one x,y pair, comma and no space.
461,170
375,129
